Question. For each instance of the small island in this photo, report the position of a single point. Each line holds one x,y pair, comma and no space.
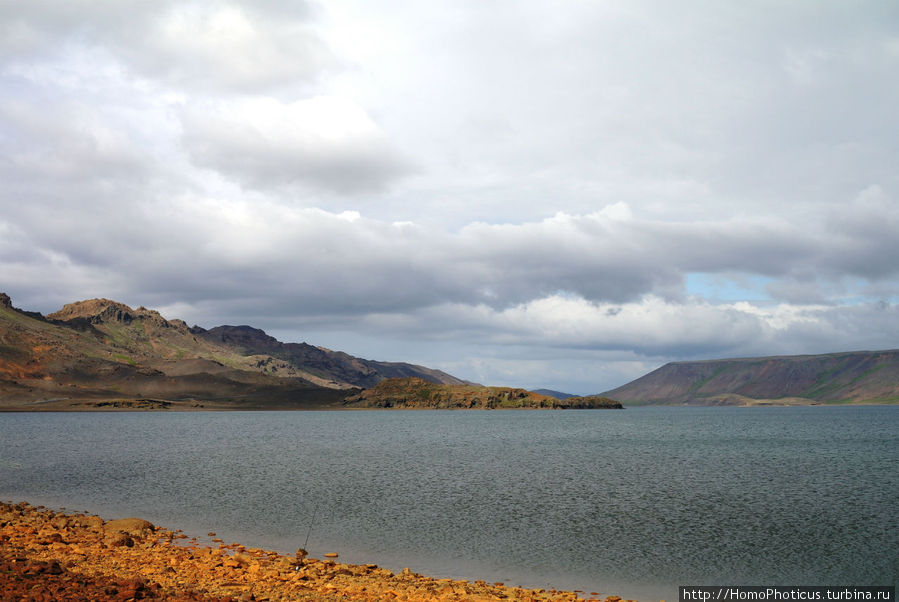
417,393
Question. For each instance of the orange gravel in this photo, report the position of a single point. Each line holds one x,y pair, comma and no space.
47,555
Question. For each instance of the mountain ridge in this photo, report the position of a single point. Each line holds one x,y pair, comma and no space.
841,377
100,349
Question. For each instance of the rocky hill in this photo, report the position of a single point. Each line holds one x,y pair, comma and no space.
334,367
420,394
94,351
852,377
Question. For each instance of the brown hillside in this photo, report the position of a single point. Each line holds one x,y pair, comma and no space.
333,366
853,377
101,349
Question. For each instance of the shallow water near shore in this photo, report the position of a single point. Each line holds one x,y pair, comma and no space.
632,503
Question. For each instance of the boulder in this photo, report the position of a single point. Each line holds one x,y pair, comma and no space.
136,527
119,539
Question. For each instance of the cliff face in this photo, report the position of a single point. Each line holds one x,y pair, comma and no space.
101,349
853,377
420,394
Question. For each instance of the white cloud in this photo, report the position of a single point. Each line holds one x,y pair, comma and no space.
201,46
230,46
323,142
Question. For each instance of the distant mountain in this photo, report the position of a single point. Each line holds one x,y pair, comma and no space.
335,368
852,377
551,393
418,393
104,350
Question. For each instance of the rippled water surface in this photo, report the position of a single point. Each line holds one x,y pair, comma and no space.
631,502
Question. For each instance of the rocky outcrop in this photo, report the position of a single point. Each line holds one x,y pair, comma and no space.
104,311
419,393
47,555
96,311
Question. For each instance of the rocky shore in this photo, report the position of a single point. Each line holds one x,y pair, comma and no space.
49,555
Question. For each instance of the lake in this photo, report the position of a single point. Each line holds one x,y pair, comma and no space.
632,502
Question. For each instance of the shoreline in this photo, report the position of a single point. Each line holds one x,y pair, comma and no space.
62,555
153,404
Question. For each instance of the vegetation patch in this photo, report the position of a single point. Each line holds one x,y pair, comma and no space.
419,393
124,358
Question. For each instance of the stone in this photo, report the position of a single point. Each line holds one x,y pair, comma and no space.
88,569
132,526
117,540
60,522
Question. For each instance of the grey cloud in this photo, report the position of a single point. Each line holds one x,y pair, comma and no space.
157,153
67,142
863,239
633,100
655,329
346,264
291,146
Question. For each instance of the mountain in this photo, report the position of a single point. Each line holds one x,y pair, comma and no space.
851,377
421,394
100,352
551,393
333,368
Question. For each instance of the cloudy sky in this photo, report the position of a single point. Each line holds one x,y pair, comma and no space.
529,193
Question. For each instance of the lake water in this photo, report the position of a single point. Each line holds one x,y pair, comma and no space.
632,502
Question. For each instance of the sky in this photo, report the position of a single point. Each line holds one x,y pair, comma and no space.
522,193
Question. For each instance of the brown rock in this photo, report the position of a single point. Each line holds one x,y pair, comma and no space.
116,540
132,526
60,522
85,569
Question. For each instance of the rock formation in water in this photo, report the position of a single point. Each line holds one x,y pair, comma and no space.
416,393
